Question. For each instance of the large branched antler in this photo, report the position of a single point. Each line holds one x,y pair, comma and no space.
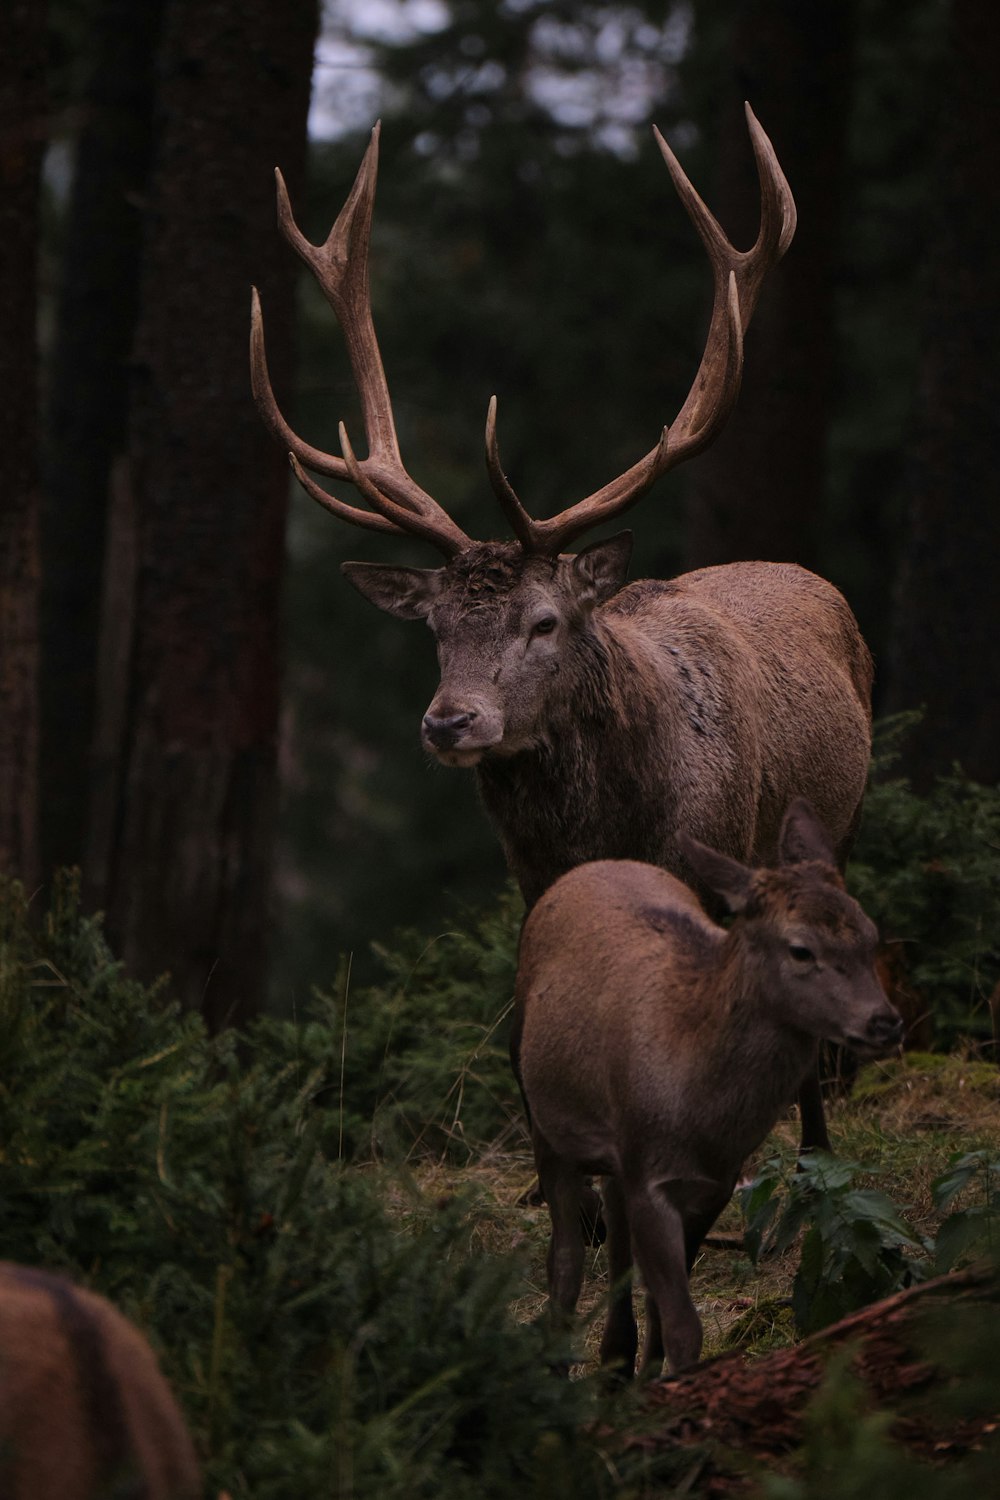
340,265
399,505
738,277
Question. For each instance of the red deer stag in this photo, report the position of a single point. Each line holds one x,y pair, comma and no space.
658,1049
600,717
84,1411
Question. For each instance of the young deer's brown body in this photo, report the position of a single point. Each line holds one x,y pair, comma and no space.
658,1049
85,1413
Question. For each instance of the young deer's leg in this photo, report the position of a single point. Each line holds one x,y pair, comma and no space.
562,1187
653,1353
659,1241
621,1337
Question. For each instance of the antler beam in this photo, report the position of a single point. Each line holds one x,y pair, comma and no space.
340,266
738,276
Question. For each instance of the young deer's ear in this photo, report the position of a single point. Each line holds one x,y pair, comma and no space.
723,876
407,593
603,566
803,837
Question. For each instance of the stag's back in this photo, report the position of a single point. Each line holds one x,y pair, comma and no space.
84,1410
773,682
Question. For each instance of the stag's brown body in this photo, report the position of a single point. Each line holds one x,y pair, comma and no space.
703,704
603,718
84,1410
659,1048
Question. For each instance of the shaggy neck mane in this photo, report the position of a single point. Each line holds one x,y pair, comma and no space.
594,788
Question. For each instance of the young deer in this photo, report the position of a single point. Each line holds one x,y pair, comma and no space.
657,1050
84,1411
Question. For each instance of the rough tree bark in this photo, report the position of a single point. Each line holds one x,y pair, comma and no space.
757,492
946,620
184,798
23,129
88,401
736,1419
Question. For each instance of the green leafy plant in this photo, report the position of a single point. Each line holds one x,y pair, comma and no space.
973,1230
857,1247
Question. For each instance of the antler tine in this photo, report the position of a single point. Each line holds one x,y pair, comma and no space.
370,519
520,522
340,266
737,276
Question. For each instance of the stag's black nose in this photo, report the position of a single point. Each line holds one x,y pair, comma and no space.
445,732
885,1031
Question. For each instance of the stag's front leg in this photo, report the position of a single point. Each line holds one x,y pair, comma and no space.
812,1114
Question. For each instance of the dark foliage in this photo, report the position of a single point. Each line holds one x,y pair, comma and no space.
326,1328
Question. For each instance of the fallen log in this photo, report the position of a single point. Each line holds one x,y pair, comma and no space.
737,1417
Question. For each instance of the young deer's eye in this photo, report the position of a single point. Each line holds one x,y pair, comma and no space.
801,954
545,625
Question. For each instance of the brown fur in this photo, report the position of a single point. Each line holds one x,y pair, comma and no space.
84,1410
699,706
657,1049
704,704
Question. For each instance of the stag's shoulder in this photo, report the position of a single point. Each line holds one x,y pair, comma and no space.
770,608
743,590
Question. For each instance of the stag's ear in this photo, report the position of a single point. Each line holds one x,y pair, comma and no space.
407,593
803,837
602,567
724,877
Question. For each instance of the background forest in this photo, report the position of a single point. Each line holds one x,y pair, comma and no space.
209,757
184,692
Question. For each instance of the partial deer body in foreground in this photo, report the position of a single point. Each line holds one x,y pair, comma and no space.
658,1049
84,1412
601,718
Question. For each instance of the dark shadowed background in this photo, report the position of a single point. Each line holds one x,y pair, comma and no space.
194,706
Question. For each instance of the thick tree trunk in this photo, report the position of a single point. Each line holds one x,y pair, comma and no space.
185,756
947,608
757,493
23,129
88,401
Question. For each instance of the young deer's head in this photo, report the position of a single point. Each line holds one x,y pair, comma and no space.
808,941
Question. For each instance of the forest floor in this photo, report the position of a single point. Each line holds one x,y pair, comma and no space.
904,1121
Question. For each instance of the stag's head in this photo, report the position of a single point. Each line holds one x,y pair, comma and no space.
808,941
505,614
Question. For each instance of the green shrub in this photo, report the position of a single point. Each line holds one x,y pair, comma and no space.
857,1247
418,1063
927,871
972,1231
327,1329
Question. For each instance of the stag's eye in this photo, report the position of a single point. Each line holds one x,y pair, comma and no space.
801,954
545,625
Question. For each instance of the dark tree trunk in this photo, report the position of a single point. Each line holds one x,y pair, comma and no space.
757,492
23,128
188,704
946,624
88,399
